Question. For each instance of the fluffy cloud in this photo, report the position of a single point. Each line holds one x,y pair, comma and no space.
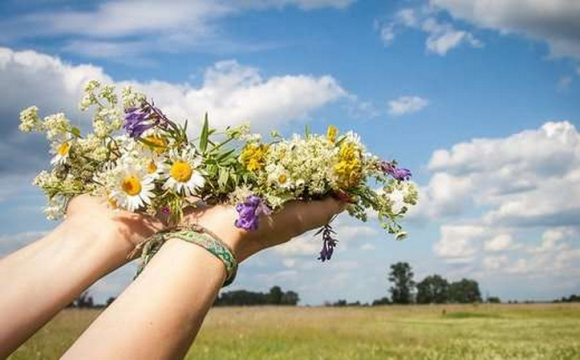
554,21
500,242
441,36
520,195
457,242
407,105
153,26
230,92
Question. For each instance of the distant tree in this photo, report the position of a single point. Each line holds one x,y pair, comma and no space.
289,298
340,303
401,276
276,295
84,301
382,301
464,291
433,289
493,300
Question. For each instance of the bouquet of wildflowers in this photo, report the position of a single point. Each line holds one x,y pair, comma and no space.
142,161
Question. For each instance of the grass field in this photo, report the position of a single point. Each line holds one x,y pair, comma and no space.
534,331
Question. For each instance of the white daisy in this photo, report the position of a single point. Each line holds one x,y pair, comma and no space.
132,189
61,152
182,172
278,176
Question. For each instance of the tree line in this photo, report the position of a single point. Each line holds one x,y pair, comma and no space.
244,297
433,289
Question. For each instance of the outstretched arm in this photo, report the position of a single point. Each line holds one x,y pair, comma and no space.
90,243
160,313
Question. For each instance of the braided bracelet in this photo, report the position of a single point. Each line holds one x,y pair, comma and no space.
194,234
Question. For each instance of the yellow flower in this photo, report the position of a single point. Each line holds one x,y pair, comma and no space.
331,133
253,156
157,143
348,169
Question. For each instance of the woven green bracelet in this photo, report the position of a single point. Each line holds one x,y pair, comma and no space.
194,234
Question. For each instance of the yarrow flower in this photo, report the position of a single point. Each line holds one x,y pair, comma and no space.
249,212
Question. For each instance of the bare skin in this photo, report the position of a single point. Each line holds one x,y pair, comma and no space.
89,244
178,286
159,314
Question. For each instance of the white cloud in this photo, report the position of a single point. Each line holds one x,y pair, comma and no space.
444,37
117,29
458,241
553,21
520,194
441,36
500,242
407,105
527,179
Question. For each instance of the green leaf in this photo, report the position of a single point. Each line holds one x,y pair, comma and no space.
223,178
204,135
76,131
226,154
307,131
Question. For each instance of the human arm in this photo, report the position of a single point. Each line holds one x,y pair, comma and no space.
160,313
92,241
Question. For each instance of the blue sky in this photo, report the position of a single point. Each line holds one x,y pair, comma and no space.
478,98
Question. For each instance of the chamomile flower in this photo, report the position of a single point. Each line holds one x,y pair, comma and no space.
182,172
131,188
278,176
61,152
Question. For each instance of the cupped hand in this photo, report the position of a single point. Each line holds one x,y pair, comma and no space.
123,229
294,219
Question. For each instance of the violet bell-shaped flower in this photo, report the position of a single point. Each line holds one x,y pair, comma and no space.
390,168
329,243
140,119
249,212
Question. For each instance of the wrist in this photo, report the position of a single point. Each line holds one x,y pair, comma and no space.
105,241
220,221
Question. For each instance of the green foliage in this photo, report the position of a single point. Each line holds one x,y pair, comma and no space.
401,276
464,291
433,290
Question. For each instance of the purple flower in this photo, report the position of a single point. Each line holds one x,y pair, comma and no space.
329,243
140,119
391,168
166,211
250,211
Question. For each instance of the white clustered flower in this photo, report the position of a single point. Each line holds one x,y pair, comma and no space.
130,98
57,126
29,120
56,208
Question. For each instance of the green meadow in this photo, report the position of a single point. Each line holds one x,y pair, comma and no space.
502,331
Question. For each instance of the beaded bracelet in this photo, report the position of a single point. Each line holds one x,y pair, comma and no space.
195,234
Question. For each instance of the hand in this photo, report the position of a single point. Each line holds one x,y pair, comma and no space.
122,229
294,219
